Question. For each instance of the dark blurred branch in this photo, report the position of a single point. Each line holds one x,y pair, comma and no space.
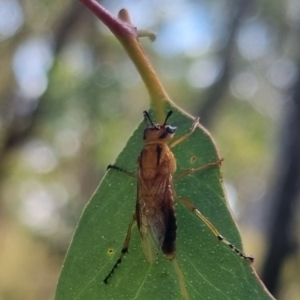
22,126
219,89
284,194
19,127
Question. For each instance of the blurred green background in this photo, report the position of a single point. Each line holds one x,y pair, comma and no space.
70,98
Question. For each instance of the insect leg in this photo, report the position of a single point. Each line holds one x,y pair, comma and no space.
121,170
186,136
193,170
214,230
124,249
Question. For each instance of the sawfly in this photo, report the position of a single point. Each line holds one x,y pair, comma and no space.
154,209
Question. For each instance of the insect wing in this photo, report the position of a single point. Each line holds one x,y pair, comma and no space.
154,206
150,247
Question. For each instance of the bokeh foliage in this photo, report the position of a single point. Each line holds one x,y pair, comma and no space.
61,127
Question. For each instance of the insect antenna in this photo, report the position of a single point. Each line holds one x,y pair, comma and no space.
167,117
147,117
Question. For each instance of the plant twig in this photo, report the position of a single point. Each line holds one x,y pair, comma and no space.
128,35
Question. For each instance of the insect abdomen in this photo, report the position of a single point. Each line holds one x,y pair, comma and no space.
155,205
170,227
168,246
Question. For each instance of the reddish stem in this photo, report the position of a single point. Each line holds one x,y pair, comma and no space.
117,26
127,34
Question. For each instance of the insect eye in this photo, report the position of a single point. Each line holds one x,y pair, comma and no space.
170,129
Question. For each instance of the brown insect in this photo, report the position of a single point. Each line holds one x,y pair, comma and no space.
154,210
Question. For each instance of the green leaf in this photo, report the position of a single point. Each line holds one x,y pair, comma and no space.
210,270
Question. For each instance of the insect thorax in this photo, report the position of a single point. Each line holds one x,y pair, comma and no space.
156,159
